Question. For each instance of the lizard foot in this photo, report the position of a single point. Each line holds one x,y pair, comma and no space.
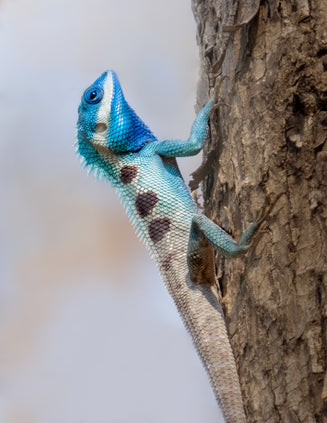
266,209
216,103
250,235
263,215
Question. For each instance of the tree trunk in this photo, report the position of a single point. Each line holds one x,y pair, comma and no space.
269,137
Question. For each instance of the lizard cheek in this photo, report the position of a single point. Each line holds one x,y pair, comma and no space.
100,128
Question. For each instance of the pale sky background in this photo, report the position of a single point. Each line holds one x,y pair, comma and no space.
88,333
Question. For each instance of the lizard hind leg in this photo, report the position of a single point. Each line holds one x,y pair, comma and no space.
206,235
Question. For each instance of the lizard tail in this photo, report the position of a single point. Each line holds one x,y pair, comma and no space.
204,319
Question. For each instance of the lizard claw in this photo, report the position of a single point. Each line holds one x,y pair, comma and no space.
261,217
266,209
216,102
220,103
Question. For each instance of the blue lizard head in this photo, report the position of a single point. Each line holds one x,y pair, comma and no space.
106,121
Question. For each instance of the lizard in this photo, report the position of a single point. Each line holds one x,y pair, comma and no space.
117,145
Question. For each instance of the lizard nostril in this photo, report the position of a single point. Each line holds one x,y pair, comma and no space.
100,127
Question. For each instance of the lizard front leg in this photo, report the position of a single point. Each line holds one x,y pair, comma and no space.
191,146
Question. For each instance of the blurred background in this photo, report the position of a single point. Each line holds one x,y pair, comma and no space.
88,333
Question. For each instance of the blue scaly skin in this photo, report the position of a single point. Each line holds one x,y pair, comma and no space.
117,145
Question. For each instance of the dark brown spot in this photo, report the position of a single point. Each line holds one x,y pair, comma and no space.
145,203
128,173
170,259
166,263
158,228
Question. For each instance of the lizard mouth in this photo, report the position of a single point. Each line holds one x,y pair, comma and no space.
100,128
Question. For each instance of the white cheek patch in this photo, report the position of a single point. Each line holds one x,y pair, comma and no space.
101,127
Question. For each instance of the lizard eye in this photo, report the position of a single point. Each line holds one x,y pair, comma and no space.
93,95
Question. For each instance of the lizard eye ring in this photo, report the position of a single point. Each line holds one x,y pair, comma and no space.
93,95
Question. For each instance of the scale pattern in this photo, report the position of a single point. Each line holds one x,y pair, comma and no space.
117,145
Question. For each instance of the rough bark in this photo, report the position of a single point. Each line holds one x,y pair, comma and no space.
268,138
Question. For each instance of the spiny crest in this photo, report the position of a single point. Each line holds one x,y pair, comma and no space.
91,159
